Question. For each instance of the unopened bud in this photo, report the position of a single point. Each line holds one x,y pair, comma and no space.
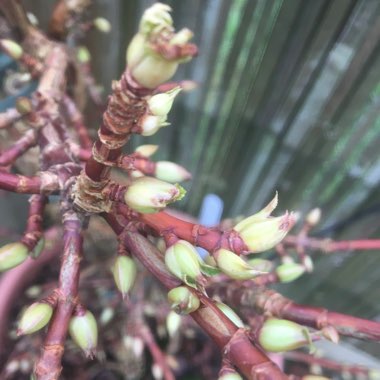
83,55
330,333
32,18
289,272
106,316
147,150
313,217
149,195
182,37
161,104
182,300
173,322
37,250
124,273
261,232
171,172
183,261
278,335
34,318
102,24
11,255
151,124
84,331
23,105
234,266
11,48
157,371
261,264
230,314
230,376
308,264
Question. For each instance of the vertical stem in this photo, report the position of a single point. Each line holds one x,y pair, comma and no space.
49,365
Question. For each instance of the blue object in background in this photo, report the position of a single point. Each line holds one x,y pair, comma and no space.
210,214
6,63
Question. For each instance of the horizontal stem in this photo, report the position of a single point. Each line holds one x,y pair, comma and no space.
207,238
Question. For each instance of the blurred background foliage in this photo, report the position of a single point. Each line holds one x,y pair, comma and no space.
288,100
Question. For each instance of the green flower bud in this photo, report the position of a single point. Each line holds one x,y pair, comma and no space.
149,195
102,24
173,322
147,66
289,272
83,55
234,266
151,124
261,232
182,300
124,273
183,261
313,217
84,331
11,255
23,105
171,172
228,312
11,48
161,104
278,335
261,264
230,376
38,248
34,318
147,150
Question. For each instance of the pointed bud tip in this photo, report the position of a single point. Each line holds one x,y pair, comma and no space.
171,172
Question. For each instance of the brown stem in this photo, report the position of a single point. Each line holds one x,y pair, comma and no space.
76,119
45,182
158,356
14,281
33,232
207,238
330,246
18,148
327,363
269,301
49,366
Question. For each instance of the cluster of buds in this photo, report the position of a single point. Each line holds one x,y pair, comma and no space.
261,231
149,195
156,50
159,106
124,273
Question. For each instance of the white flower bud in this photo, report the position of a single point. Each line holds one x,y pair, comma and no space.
13,49
149,195
161,104
171,172
147,150
289,272
151,124
124,273
314,216
102,24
